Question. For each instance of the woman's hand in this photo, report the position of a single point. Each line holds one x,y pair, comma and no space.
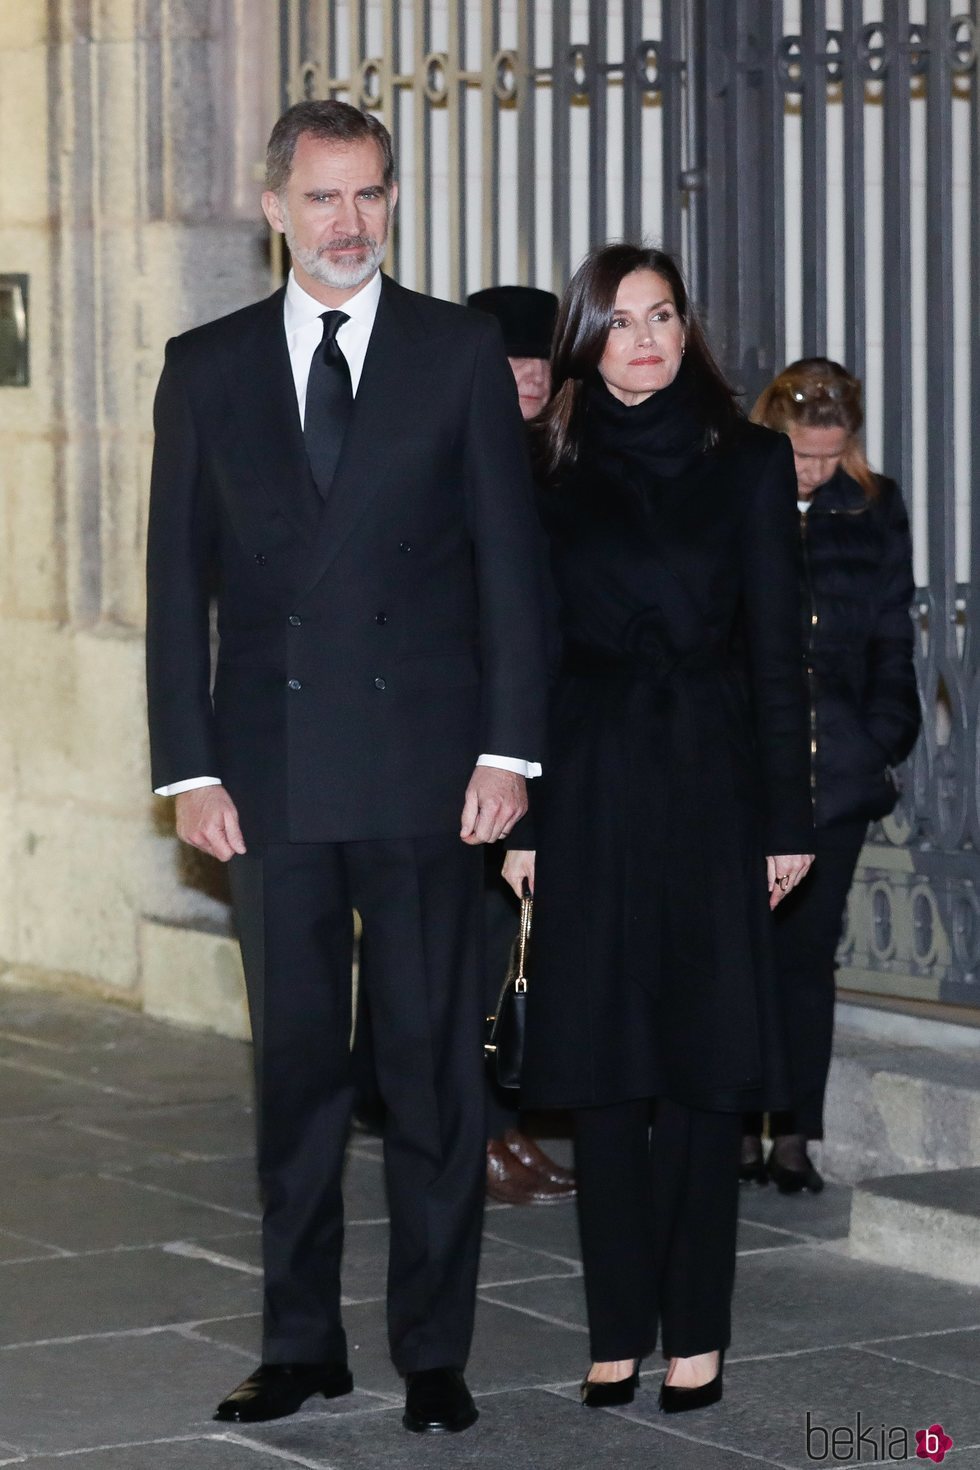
519,865
784,873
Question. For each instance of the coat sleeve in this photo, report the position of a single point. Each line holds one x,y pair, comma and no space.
891,702
508,560
771,575
179,567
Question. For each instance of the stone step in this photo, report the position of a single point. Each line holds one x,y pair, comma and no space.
899,1108
922,1222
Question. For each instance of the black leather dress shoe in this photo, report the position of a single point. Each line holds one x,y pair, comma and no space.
610,1395
437,1401
277,1389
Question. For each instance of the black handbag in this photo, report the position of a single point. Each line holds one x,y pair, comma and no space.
504,1046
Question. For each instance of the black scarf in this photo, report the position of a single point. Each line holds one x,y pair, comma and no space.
657,439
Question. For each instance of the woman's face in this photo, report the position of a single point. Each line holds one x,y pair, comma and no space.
646,339
818,455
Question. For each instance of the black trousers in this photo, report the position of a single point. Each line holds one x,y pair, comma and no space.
658,1213
419,902
501,920
806,933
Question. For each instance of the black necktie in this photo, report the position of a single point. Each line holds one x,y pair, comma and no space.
329,400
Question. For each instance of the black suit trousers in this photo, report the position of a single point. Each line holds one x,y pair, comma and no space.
501,918
658,1213
419,901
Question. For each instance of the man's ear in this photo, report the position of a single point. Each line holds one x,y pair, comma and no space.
392,198
272,209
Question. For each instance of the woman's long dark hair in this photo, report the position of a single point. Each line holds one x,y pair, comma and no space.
584,320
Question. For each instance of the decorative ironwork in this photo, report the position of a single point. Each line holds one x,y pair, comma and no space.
786,166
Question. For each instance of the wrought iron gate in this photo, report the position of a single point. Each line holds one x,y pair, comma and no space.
817,165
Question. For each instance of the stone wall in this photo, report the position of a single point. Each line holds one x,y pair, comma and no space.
130,131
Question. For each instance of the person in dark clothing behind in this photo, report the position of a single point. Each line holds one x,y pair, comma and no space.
864,717
518,1171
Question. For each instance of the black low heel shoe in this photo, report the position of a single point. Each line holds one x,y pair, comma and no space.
683,1400
610,1395
792,1181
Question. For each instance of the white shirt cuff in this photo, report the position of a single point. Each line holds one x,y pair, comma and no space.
528,769
176,787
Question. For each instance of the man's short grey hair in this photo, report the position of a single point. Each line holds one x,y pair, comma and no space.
332,121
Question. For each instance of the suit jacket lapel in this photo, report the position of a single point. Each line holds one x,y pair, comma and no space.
266,417
372,433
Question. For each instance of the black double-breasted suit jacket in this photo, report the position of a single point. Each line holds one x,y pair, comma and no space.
370,647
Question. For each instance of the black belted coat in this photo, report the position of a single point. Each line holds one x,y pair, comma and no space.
678,759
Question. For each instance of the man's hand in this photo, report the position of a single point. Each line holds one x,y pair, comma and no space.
495,800
783,873
207,819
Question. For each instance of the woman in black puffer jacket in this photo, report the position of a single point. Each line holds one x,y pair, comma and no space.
864,717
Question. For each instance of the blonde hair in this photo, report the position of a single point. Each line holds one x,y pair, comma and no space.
816,393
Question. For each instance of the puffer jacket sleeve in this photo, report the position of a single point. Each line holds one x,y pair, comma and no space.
891,702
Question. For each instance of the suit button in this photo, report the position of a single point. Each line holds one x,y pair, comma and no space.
294,684
294,621
404,546
260,558
380,684
381,618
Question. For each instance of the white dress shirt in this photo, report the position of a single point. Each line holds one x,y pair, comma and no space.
301,315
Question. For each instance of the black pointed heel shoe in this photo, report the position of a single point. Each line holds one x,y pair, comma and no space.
610,1395
683,1400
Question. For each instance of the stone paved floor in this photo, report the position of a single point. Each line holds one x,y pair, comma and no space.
129,1293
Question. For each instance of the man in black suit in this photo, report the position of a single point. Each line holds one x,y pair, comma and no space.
344,464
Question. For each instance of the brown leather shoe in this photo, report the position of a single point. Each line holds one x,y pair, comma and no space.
535,1159
509,1182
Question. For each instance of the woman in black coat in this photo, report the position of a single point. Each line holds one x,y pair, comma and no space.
674,811
864,716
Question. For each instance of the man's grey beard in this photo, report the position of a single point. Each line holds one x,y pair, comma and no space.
339,275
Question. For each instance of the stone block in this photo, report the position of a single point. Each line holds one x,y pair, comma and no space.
895,1109
193,977
64,1396
117,1291
23,25
515,1431
209,1452
24,130
96,1212
763,1417
33,577
900,1103
79,723
83,881
921,1222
